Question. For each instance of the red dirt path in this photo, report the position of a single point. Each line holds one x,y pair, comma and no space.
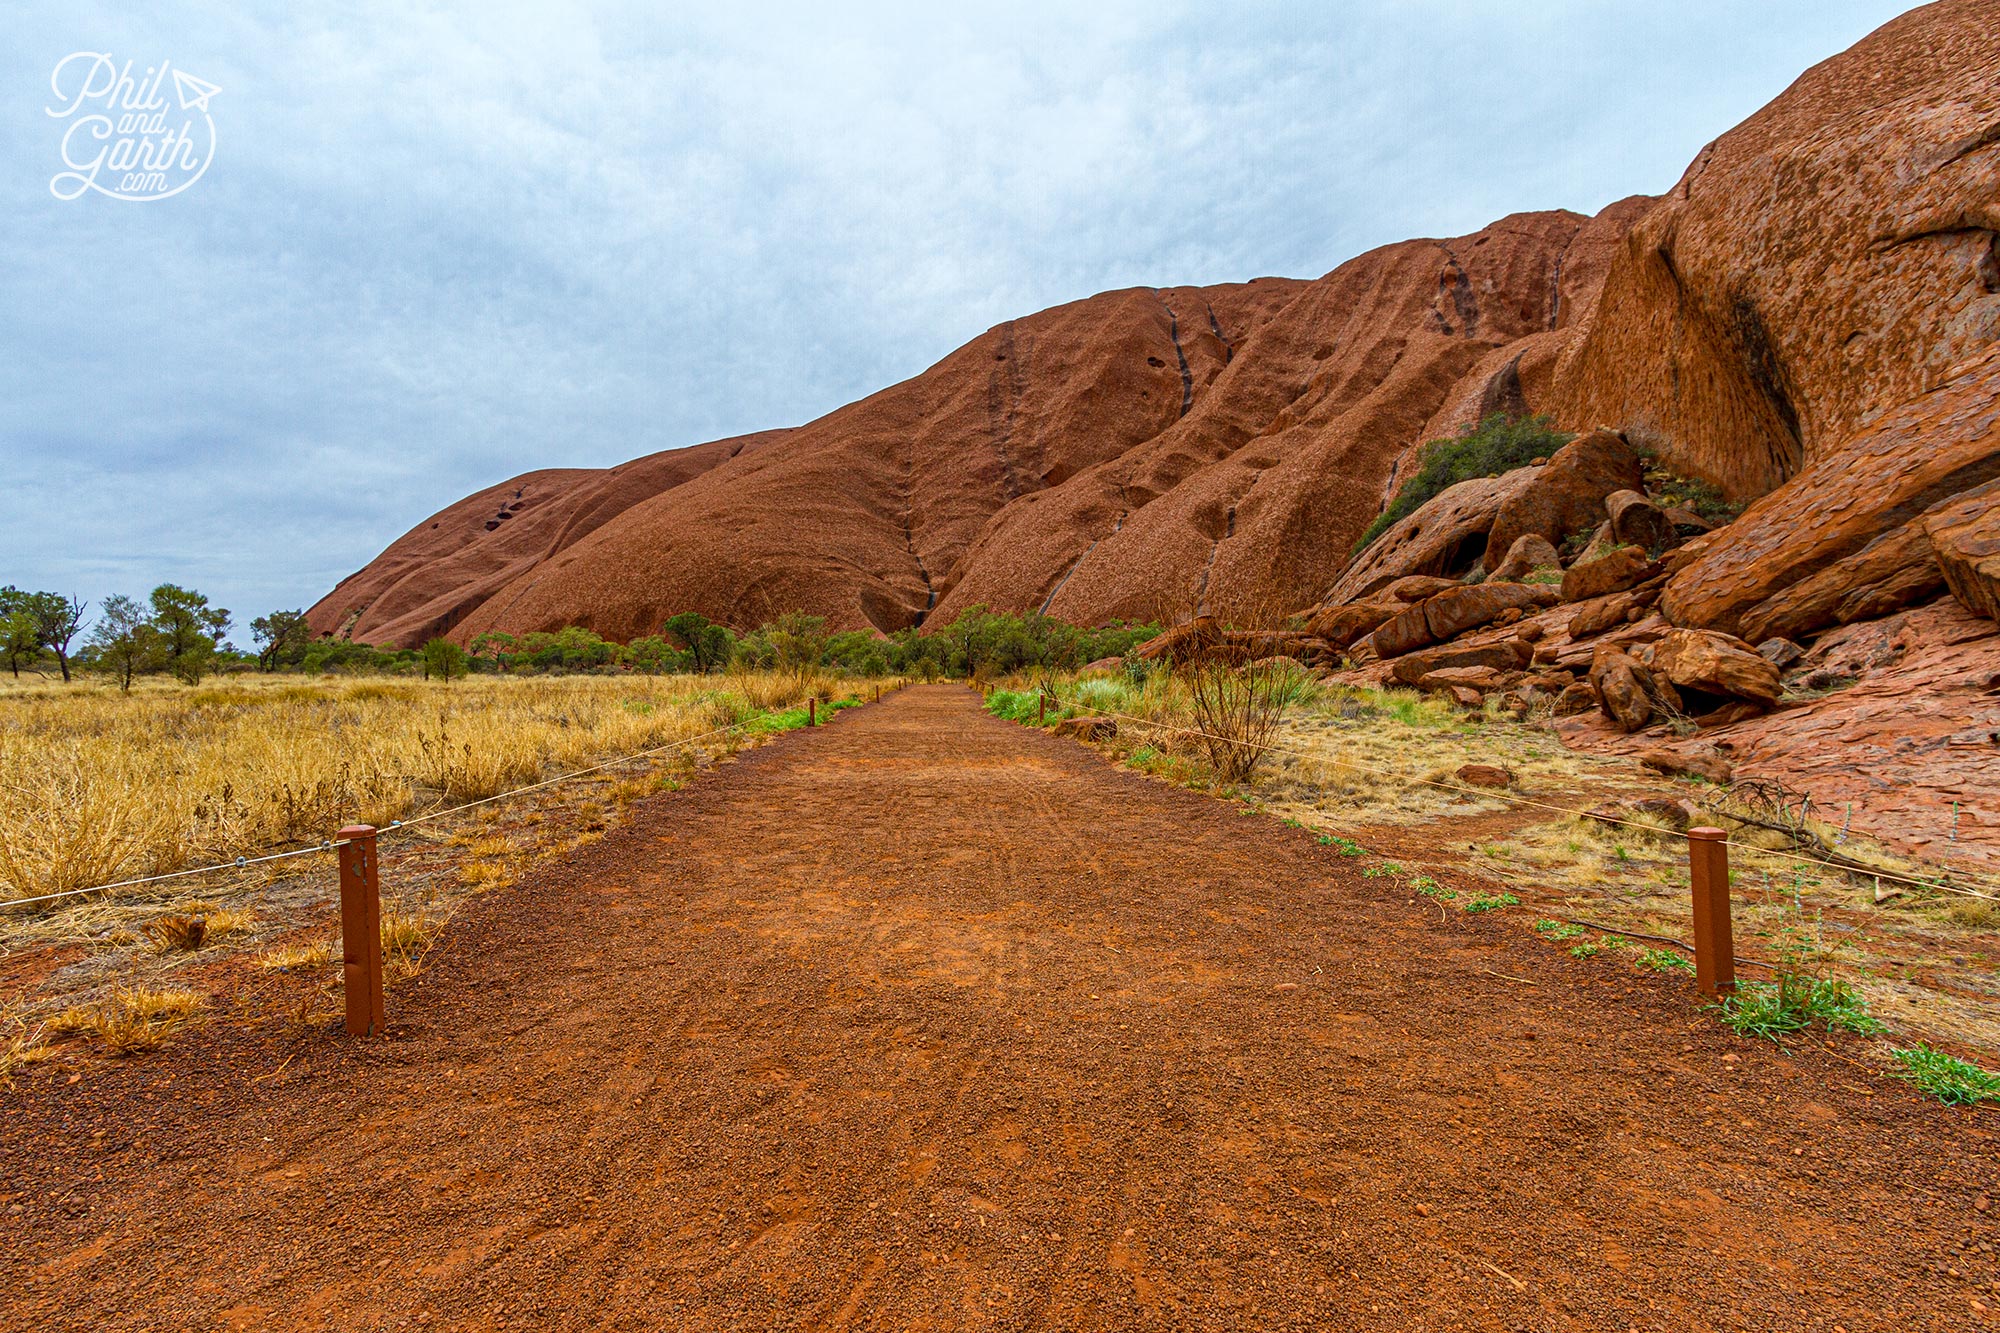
927,1021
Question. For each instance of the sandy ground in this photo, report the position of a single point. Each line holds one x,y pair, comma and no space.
926,1021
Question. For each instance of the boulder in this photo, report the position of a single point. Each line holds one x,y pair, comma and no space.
1637,521
1687,523
1482,678
1105,664
1580,697
1413,667
1466,697
1696,760
1087,728
1445,535
1965,534
1182,642
1916,455
1896,570
1625,567
1619,608
1568,494
1452,613
1404,632
1485,775
1342,625
1575,655
1780,653
1244,646
1712,663
1414,588
1625,689
1531,551
1729,715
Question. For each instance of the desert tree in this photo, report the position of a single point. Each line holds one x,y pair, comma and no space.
18,641
125,641
798,642
708,644
190,630
57,621
278,636
496,645
443,659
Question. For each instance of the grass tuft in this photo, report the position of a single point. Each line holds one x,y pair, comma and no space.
130,1020
1952,1081
289,957
1793,1003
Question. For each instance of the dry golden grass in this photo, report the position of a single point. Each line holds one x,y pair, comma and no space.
130,1020
297,957
100,786
482,875
406,939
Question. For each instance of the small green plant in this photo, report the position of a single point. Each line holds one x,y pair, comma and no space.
1557,930
1664,960
1489,902
1947,1078
1696,496
1386,870
1793,1003
1497,444
1347,846
1433,890
1587,949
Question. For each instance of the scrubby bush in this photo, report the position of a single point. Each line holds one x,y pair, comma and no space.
1497,444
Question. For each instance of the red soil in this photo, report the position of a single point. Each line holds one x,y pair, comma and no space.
923,1020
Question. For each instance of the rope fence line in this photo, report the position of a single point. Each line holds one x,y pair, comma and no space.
1488,792
394,826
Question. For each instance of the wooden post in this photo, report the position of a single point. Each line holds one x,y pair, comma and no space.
1714,941
1042,710
361,930
812,712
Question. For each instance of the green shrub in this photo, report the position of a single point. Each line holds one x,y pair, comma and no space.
1497,444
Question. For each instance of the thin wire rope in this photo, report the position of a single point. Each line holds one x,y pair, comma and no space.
1799,857
243,863
395,826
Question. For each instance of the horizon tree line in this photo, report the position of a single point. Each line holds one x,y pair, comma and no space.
177,631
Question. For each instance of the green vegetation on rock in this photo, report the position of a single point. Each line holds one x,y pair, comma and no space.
1497,444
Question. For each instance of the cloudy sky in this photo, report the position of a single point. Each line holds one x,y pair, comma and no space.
439,244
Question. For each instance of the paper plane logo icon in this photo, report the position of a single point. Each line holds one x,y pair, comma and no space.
194,93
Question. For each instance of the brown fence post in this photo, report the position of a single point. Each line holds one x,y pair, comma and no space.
812,712
1042,711
1714,941
361,930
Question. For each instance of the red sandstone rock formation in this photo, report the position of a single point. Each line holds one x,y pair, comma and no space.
1810,320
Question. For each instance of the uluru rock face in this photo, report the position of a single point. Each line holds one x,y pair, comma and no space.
1809,320
440,570
1128,455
